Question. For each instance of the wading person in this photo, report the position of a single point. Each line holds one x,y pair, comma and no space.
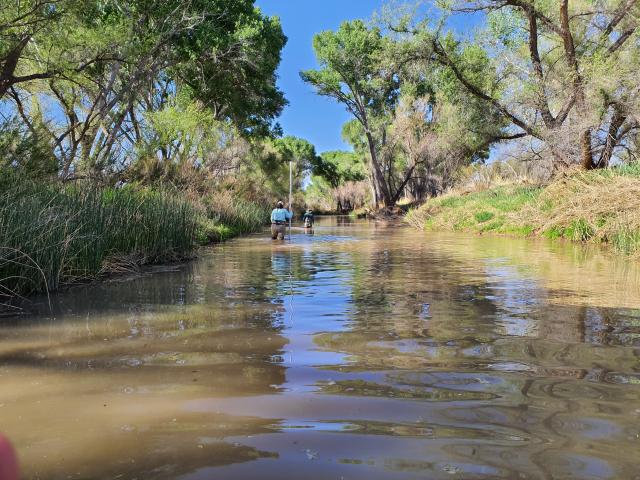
307,218
279,218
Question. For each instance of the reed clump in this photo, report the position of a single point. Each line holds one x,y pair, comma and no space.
597,206
226,215
52,234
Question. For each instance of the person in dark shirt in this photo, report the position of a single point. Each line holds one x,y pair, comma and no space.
307,218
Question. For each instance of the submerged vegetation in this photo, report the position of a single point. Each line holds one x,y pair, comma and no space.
600,206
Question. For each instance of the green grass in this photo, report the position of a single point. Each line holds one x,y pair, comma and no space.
554,232
595,206
579,230
228,218
244,216
52,235
626,240
483,216
486,211
209,231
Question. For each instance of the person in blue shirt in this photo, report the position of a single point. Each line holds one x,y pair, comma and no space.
279,218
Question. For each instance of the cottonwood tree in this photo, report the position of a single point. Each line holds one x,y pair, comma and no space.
351,72
411,115
95,115
437,126
567,72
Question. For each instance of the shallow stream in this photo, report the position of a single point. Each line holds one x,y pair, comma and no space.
362,351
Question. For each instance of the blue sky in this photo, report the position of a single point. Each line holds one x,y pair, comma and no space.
309,116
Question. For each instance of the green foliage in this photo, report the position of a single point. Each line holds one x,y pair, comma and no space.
240,215
413,118
170,70
320,195
494,210
27,151
241,82
268,167
51,234
338,167
631,169
297,150
349,61
483,216
561,210
495,226
554,232
227,219
626,240
353,72
507,26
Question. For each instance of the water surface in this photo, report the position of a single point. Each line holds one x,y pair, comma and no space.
363,351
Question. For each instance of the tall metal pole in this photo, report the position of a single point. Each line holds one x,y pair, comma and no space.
290,191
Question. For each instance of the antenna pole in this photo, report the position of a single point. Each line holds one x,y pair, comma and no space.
290,193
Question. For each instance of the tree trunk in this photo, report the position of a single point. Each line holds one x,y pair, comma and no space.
617,119
10,64
375,198
378,176
587,154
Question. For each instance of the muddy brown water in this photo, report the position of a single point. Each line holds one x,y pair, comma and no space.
359,352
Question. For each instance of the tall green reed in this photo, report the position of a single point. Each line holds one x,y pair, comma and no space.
53,234
240,215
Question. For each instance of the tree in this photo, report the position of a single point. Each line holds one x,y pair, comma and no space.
338,166
332,174
233,71
19,22
351,72
415,121
121,61
566,73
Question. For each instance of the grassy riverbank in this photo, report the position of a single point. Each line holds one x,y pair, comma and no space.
53,235
598,206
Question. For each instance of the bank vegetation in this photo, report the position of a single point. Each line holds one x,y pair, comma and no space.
549,85
124,123
597,206
133,131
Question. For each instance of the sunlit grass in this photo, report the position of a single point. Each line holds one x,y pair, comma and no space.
598,206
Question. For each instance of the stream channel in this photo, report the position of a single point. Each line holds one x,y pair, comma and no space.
363,351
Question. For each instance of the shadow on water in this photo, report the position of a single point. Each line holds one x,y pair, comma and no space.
361,351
